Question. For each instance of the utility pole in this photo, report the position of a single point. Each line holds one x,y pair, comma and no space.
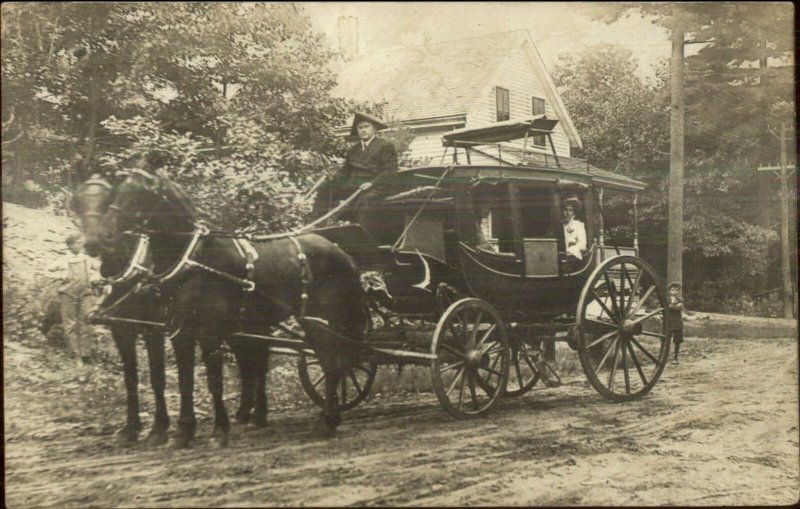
675,220
786,270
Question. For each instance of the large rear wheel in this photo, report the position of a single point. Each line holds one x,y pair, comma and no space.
622,339
472,352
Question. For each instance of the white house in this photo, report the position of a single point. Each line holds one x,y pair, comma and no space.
473,82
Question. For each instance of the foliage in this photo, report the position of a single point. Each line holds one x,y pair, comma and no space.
621,118
237,94
624,124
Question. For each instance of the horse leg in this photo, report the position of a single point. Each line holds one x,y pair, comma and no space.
154,342
246,381
126,344
187,423
213,358
261,355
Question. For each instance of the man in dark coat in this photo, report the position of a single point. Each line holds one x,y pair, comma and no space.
369,165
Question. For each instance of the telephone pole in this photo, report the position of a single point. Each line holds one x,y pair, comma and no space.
675,219
786,269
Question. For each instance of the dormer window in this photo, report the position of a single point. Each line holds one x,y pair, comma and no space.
503,104
538,108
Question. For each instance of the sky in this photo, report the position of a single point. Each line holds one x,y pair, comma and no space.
555,27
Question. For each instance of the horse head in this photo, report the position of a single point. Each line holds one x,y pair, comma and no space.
90,202
148,201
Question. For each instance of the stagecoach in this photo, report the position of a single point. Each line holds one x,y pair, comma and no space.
477,286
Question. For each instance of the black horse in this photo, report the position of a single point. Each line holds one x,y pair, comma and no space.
214,292
134,303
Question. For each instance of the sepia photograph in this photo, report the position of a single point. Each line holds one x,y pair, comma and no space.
382,254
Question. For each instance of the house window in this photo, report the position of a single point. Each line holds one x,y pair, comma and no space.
503,105
538,108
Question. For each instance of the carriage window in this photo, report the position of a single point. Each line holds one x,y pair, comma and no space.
503,105
493,219
536,206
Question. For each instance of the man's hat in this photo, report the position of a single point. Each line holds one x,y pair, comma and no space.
572,200
363,117
674,283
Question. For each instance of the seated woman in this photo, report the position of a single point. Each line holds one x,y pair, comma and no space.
574,234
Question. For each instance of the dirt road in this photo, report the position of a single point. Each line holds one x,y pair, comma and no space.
720,428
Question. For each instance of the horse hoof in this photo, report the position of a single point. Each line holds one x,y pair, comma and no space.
156,438
242,417
218,440
180,441
127,436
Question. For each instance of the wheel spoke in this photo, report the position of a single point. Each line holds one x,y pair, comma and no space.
623,276
636,363
487,334
601,323
490,370
319,379
461,389
602,338
646,316
455,365
625,367
472,393
451,349
605,357
634,287
642,300
614,364
612,290
475,325
602,304
644,351
653,334
455,381
492,348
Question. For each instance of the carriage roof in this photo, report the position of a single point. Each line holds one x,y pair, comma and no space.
547,169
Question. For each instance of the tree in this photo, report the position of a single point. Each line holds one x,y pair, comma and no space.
620,117
623,122
237,94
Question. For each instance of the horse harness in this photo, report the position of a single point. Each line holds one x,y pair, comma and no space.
186,262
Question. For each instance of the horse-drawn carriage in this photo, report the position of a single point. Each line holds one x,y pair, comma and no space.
476,285
495,311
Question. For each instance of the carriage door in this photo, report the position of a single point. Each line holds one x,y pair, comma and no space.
539,242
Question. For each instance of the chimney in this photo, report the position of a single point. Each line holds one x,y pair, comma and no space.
348,37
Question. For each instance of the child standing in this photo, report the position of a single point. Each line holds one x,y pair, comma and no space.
76,271
675,317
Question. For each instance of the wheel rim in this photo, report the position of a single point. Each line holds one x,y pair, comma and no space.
352,390
472,358
622,343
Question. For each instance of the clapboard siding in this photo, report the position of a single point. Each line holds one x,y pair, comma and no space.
517,76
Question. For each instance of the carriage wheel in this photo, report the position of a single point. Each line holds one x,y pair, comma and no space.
522,372
472,353
622,339
522,375
353,389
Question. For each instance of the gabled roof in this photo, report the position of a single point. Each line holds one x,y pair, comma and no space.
438,80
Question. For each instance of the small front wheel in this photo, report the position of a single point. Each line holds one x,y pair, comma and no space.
353,388
472,352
